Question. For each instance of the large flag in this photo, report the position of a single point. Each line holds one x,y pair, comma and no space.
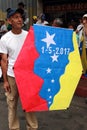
48,69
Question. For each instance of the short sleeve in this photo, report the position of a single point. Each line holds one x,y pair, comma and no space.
3,47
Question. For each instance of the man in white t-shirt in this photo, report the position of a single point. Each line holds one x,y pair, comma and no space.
10,46
83,43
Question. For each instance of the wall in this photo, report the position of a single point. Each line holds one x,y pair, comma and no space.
39,7
33,7
4,4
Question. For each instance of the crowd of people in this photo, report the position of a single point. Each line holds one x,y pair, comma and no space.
81,33
10,46
4,24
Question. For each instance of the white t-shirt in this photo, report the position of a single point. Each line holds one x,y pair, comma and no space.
85,37
80,26
11,44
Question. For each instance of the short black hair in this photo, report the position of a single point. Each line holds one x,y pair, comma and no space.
21,4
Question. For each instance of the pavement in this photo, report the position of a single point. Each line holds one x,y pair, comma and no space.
73,118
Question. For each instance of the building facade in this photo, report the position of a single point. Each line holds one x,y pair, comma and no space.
66,9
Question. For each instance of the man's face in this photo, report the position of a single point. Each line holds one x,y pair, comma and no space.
56,24
16,21
85,20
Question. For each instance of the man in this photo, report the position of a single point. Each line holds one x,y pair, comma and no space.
42,19
8,26
83,44
3,28
34,18
10,46
21,7
57,22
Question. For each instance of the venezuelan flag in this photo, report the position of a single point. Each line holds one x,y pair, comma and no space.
48,69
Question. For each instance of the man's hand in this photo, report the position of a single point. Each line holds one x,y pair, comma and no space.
7,87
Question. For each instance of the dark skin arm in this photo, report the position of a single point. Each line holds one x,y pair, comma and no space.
4,65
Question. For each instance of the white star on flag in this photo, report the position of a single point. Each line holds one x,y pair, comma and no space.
52,81
50,97
49,102
49,89
49,39
54,58
48,70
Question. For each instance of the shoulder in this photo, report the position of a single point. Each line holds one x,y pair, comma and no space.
6,35
79,27
24,32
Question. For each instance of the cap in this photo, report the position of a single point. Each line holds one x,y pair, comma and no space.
43,17
85,15
34,17
11,12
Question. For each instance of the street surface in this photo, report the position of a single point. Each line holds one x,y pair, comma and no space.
74,118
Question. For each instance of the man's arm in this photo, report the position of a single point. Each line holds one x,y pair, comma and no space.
4,65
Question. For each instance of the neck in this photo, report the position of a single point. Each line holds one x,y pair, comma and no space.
85,26
85,31
16,31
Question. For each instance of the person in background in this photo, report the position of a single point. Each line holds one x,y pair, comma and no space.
57,22
83,44
80,26
42,20
10,46
72,25
9,27
78,31
34,19
3,28
21,7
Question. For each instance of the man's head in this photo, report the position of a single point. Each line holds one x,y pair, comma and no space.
21,5
34,19
14,18
2,22
57,22
84,19
85,16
